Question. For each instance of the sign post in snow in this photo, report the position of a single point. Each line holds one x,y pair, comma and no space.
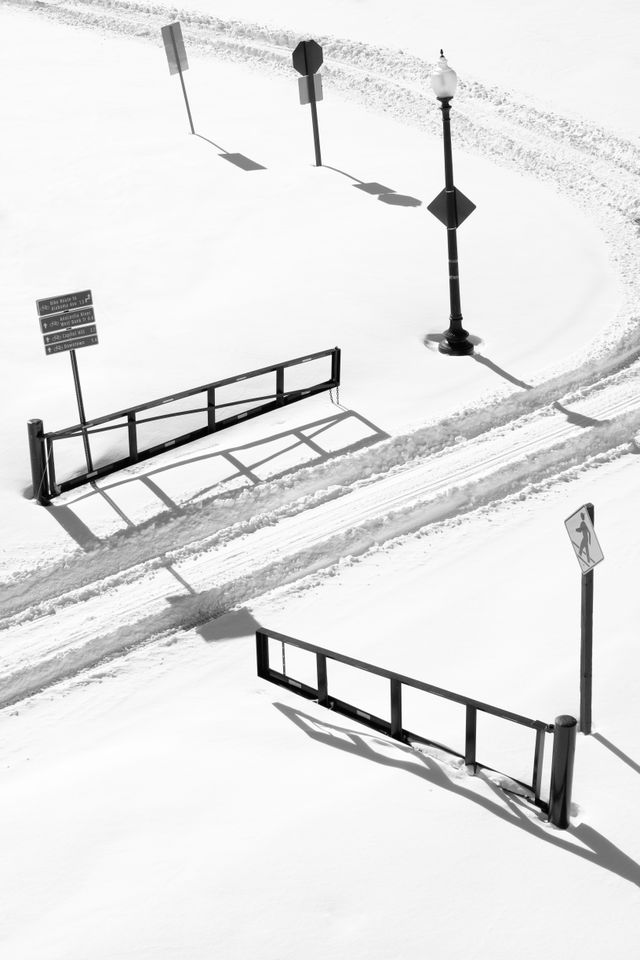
307,60
177,58
68,323
589,553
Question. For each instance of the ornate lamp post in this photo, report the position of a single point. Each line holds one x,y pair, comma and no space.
451,207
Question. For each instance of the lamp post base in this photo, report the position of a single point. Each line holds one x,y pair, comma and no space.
455,345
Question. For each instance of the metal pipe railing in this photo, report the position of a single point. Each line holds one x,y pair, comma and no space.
558,807
41,443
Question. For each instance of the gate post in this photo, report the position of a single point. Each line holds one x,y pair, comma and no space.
38,458
564,747
262,654
335,366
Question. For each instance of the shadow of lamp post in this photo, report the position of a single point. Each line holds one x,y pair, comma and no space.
451,207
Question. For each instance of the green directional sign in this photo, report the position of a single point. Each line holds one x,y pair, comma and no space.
75,333
67,322
69,301
71,345
75,318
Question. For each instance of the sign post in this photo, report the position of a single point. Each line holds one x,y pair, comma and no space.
177,57
68,323
580,527
307,59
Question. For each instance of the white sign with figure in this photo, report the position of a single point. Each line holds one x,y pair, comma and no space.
584,540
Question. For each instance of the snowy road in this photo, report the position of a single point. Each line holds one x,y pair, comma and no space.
53,633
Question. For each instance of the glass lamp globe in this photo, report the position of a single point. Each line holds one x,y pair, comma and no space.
443,79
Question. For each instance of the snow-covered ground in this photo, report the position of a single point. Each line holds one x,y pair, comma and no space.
158,800
171,804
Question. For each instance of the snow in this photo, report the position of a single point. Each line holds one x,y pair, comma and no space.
157,798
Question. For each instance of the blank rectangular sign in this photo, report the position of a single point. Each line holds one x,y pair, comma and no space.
303,88
174,47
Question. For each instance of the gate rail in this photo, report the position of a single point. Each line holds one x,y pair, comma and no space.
564,728
45,486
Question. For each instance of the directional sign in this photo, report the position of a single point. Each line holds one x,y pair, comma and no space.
303,88
584,540
67,322
70,301
71,345
62,336
464,207
76,318
307,57
174,48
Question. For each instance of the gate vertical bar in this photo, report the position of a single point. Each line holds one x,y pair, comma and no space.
262,654
211,408
51,468
335,365
470,738
538,760
133,436
323,686
280,385
396,709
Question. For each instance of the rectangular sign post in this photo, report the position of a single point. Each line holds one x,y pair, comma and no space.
67,324
307,59
177,57
580,527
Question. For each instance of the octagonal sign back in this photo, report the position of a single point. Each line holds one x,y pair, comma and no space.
307,57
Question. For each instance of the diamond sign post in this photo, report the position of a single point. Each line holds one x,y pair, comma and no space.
588,553
68,323
307,59
452,208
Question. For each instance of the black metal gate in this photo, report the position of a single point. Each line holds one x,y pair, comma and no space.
41,444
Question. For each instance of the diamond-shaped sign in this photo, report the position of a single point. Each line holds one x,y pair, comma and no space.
583,539
464,207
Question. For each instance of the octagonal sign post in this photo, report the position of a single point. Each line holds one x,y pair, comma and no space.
307,60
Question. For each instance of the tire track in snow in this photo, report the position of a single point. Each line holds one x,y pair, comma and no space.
64,640
199,526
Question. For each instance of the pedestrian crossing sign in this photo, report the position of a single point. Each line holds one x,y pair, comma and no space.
584,540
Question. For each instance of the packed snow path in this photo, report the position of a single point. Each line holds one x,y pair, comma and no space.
54,628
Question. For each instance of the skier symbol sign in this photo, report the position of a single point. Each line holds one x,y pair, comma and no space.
584,540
